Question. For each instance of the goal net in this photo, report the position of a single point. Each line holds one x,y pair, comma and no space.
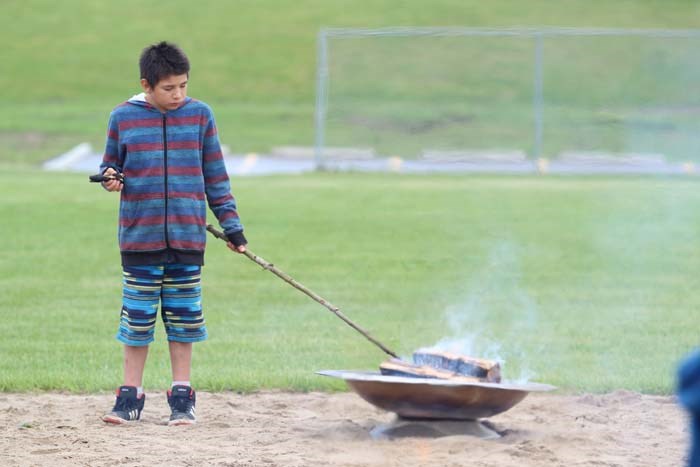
420,93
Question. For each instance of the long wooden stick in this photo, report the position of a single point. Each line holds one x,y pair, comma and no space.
282,275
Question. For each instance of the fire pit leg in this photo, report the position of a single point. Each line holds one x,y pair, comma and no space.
417,428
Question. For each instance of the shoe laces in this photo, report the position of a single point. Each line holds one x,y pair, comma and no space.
121,404
181,403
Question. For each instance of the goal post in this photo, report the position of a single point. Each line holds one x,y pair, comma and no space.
535,93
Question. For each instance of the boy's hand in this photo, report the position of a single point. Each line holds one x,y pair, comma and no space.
112,185
237,249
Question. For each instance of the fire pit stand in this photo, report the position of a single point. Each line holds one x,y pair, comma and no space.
417,428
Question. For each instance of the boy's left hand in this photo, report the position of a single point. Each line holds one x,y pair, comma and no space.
237,249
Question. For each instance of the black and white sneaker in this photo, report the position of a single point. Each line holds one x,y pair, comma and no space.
127,408
182,400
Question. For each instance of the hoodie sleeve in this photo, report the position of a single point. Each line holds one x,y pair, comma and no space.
113,156
217,185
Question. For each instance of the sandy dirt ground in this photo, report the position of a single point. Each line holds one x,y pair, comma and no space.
291,429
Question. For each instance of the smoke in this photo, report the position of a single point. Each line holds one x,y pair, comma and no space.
495,315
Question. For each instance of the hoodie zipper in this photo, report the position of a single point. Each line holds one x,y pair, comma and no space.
165,169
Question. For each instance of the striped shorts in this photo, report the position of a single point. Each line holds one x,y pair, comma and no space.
176,287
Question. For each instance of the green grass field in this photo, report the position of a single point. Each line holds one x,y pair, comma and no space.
585,283
69,65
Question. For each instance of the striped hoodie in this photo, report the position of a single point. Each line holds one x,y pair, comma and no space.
173,167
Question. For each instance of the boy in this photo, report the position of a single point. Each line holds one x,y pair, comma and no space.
165,145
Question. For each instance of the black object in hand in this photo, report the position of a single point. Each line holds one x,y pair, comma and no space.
99,178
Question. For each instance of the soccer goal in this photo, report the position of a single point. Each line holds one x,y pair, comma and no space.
508,94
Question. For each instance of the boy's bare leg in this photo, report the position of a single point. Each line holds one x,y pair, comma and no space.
180,360
134,363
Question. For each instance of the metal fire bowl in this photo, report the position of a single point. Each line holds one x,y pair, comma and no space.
428,398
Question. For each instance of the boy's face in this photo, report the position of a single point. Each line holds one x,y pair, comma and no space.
168,94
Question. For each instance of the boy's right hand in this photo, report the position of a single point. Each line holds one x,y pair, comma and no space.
112,185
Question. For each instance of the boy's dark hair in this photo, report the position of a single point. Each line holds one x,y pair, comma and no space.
161,60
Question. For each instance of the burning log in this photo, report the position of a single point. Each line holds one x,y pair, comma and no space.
485,370
396,367
443,365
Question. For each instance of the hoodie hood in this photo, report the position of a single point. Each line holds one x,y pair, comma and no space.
140,100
